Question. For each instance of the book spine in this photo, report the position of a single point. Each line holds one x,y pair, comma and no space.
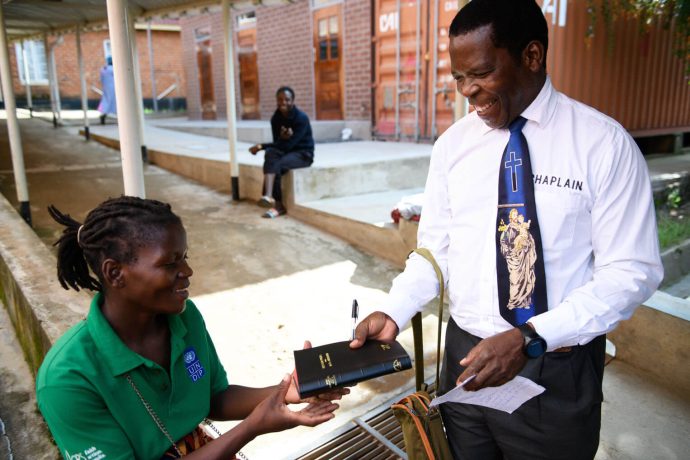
343,379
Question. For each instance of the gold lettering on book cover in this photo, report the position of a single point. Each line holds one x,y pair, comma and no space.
331,381
325,361
385,346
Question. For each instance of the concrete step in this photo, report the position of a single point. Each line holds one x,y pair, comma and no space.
354,169
372,208
669,172
252,131
364,221
681,288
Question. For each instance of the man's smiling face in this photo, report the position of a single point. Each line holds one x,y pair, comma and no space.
498,85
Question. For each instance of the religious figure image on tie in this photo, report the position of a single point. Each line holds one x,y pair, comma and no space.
519,251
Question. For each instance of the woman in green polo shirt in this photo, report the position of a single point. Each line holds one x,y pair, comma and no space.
140,373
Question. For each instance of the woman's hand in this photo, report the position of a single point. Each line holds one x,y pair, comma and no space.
272,414
292,396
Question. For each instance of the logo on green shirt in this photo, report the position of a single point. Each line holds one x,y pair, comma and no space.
194,367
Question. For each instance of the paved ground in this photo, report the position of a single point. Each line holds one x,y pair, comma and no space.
18,439
264,286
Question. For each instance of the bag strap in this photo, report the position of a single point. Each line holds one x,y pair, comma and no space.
154,416
417,325
161,426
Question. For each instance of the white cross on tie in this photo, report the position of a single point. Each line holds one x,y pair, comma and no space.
513,164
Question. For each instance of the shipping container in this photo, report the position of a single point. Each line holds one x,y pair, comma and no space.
635,77
414,92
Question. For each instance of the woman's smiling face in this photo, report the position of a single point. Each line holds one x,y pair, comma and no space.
157,280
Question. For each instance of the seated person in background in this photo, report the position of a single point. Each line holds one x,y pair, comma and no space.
292,147
140,373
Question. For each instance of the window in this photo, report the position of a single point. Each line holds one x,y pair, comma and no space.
316,4
35,64
246,20
202,34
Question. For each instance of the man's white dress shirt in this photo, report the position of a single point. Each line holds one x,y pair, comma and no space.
596,215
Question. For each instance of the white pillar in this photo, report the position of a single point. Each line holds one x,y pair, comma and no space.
126,98
13,125
27,80
82,79
137,86
56,81
230,98
152,68
51,77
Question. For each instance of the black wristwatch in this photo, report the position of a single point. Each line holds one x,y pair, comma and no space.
535,345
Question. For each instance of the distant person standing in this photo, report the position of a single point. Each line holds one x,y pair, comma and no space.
292,147
107,104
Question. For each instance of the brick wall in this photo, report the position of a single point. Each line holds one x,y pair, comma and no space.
286,56
167,56
357,59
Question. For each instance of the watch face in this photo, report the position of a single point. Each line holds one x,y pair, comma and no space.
535,348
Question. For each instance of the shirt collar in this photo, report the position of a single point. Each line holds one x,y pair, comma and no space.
113,351
543,106
540,110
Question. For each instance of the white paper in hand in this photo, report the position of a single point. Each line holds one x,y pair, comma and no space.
507,397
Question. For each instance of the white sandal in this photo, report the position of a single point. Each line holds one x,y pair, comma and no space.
266,202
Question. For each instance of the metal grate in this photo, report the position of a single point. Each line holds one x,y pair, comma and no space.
375,436
379,438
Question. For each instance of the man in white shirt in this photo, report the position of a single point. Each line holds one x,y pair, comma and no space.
597,230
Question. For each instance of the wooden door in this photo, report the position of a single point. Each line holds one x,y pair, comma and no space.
249,74
205,70
328,63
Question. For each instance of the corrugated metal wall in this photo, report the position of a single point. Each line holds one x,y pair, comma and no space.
638,79
412,100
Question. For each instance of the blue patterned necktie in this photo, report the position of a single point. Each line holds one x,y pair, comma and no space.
519,259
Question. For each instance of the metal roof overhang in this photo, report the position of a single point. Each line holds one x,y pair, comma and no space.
31,18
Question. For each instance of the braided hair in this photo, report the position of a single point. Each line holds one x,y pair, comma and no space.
115,229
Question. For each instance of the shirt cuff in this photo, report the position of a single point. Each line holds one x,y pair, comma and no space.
550,325
400,308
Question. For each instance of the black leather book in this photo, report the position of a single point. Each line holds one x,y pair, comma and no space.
337,365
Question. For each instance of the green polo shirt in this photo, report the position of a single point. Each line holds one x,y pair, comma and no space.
92,410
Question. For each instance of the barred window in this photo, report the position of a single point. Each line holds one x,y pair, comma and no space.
31,62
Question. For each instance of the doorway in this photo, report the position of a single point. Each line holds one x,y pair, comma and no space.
328,62
249,74
204,58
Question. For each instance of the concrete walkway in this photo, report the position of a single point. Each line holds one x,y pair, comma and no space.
264,286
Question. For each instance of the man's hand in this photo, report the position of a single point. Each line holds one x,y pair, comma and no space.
377,326
292,396
254,149
285,133
495,360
